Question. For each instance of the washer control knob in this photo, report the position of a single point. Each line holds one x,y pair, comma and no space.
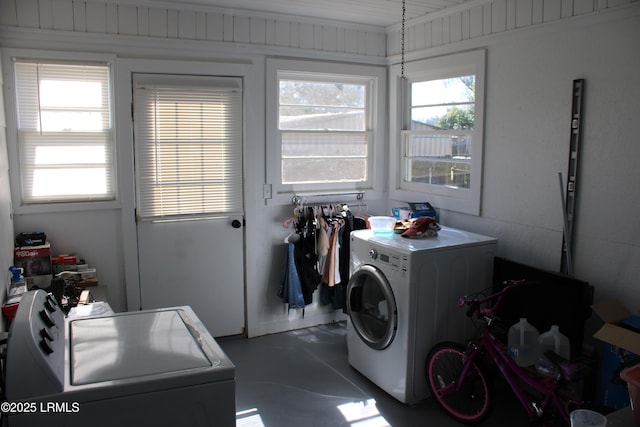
46,318
45,334
45,347
49,306
373,254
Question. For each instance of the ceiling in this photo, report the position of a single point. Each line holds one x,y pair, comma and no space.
373,12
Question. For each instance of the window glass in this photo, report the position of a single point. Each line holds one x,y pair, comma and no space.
437,146
64,131
324,130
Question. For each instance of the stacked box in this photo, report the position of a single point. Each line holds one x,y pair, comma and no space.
415,210
35,262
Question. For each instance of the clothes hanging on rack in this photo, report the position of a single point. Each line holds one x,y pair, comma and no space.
320,256
306,262
331,270
351,223
290,286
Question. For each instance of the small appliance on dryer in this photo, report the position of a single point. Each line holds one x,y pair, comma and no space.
157,367
402,298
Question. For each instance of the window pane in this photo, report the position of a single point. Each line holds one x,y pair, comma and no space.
310,171
57,121
70,94
448,118
321,105
444,91
438,145
438,159
300,92
59,184
324,144
443,104
321,157
66,155
321,118
439,172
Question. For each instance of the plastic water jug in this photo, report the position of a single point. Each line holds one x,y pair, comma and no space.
587,418
523,343
552,340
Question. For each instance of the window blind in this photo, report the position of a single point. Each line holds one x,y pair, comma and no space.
188,145
65,134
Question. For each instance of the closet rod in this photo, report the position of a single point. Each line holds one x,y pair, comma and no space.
298,198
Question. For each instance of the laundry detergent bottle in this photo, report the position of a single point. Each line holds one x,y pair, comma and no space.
523,343
18,285
552,340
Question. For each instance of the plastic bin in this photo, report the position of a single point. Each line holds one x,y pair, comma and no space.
382,224
632,377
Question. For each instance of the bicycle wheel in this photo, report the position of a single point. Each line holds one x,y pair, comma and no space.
473,402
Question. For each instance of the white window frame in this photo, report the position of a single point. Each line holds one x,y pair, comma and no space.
443,197
13,150
375,77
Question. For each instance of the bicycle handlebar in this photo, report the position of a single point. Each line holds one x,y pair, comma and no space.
474,303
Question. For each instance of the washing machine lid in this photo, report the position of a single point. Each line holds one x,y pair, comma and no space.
139,345
447,238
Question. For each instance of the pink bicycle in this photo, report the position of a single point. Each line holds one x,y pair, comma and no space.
462,386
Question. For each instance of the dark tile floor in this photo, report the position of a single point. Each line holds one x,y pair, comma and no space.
303,378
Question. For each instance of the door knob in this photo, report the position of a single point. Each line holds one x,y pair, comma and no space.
236,223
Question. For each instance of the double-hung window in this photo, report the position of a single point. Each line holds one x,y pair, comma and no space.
439,143
324,132
65,131
325,128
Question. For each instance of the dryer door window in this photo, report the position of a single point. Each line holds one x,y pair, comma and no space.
372,307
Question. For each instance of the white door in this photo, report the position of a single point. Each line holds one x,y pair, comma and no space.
188,162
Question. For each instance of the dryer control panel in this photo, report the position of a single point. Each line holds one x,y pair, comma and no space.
35,347
395,261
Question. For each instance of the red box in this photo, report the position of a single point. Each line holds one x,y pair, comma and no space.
34,260
9,311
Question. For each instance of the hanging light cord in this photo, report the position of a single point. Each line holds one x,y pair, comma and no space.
404,10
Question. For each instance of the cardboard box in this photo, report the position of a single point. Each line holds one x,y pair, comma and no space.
34,260
36,263
415,210
621,336
621,329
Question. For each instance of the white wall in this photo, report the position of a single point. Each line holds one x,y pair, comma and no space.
6,221
532,59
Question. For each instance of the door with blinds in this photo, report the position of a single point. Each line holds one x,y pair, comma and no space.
188,161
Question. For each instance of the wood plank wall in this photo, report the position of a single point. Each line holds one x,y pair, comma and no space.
103,17
472,19
482,18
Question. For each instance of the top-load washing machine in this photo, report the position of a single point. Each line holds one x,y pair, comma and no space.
156,367
402,298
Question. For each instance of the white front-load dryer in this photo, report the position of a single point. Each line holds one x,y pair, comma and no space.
402,299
